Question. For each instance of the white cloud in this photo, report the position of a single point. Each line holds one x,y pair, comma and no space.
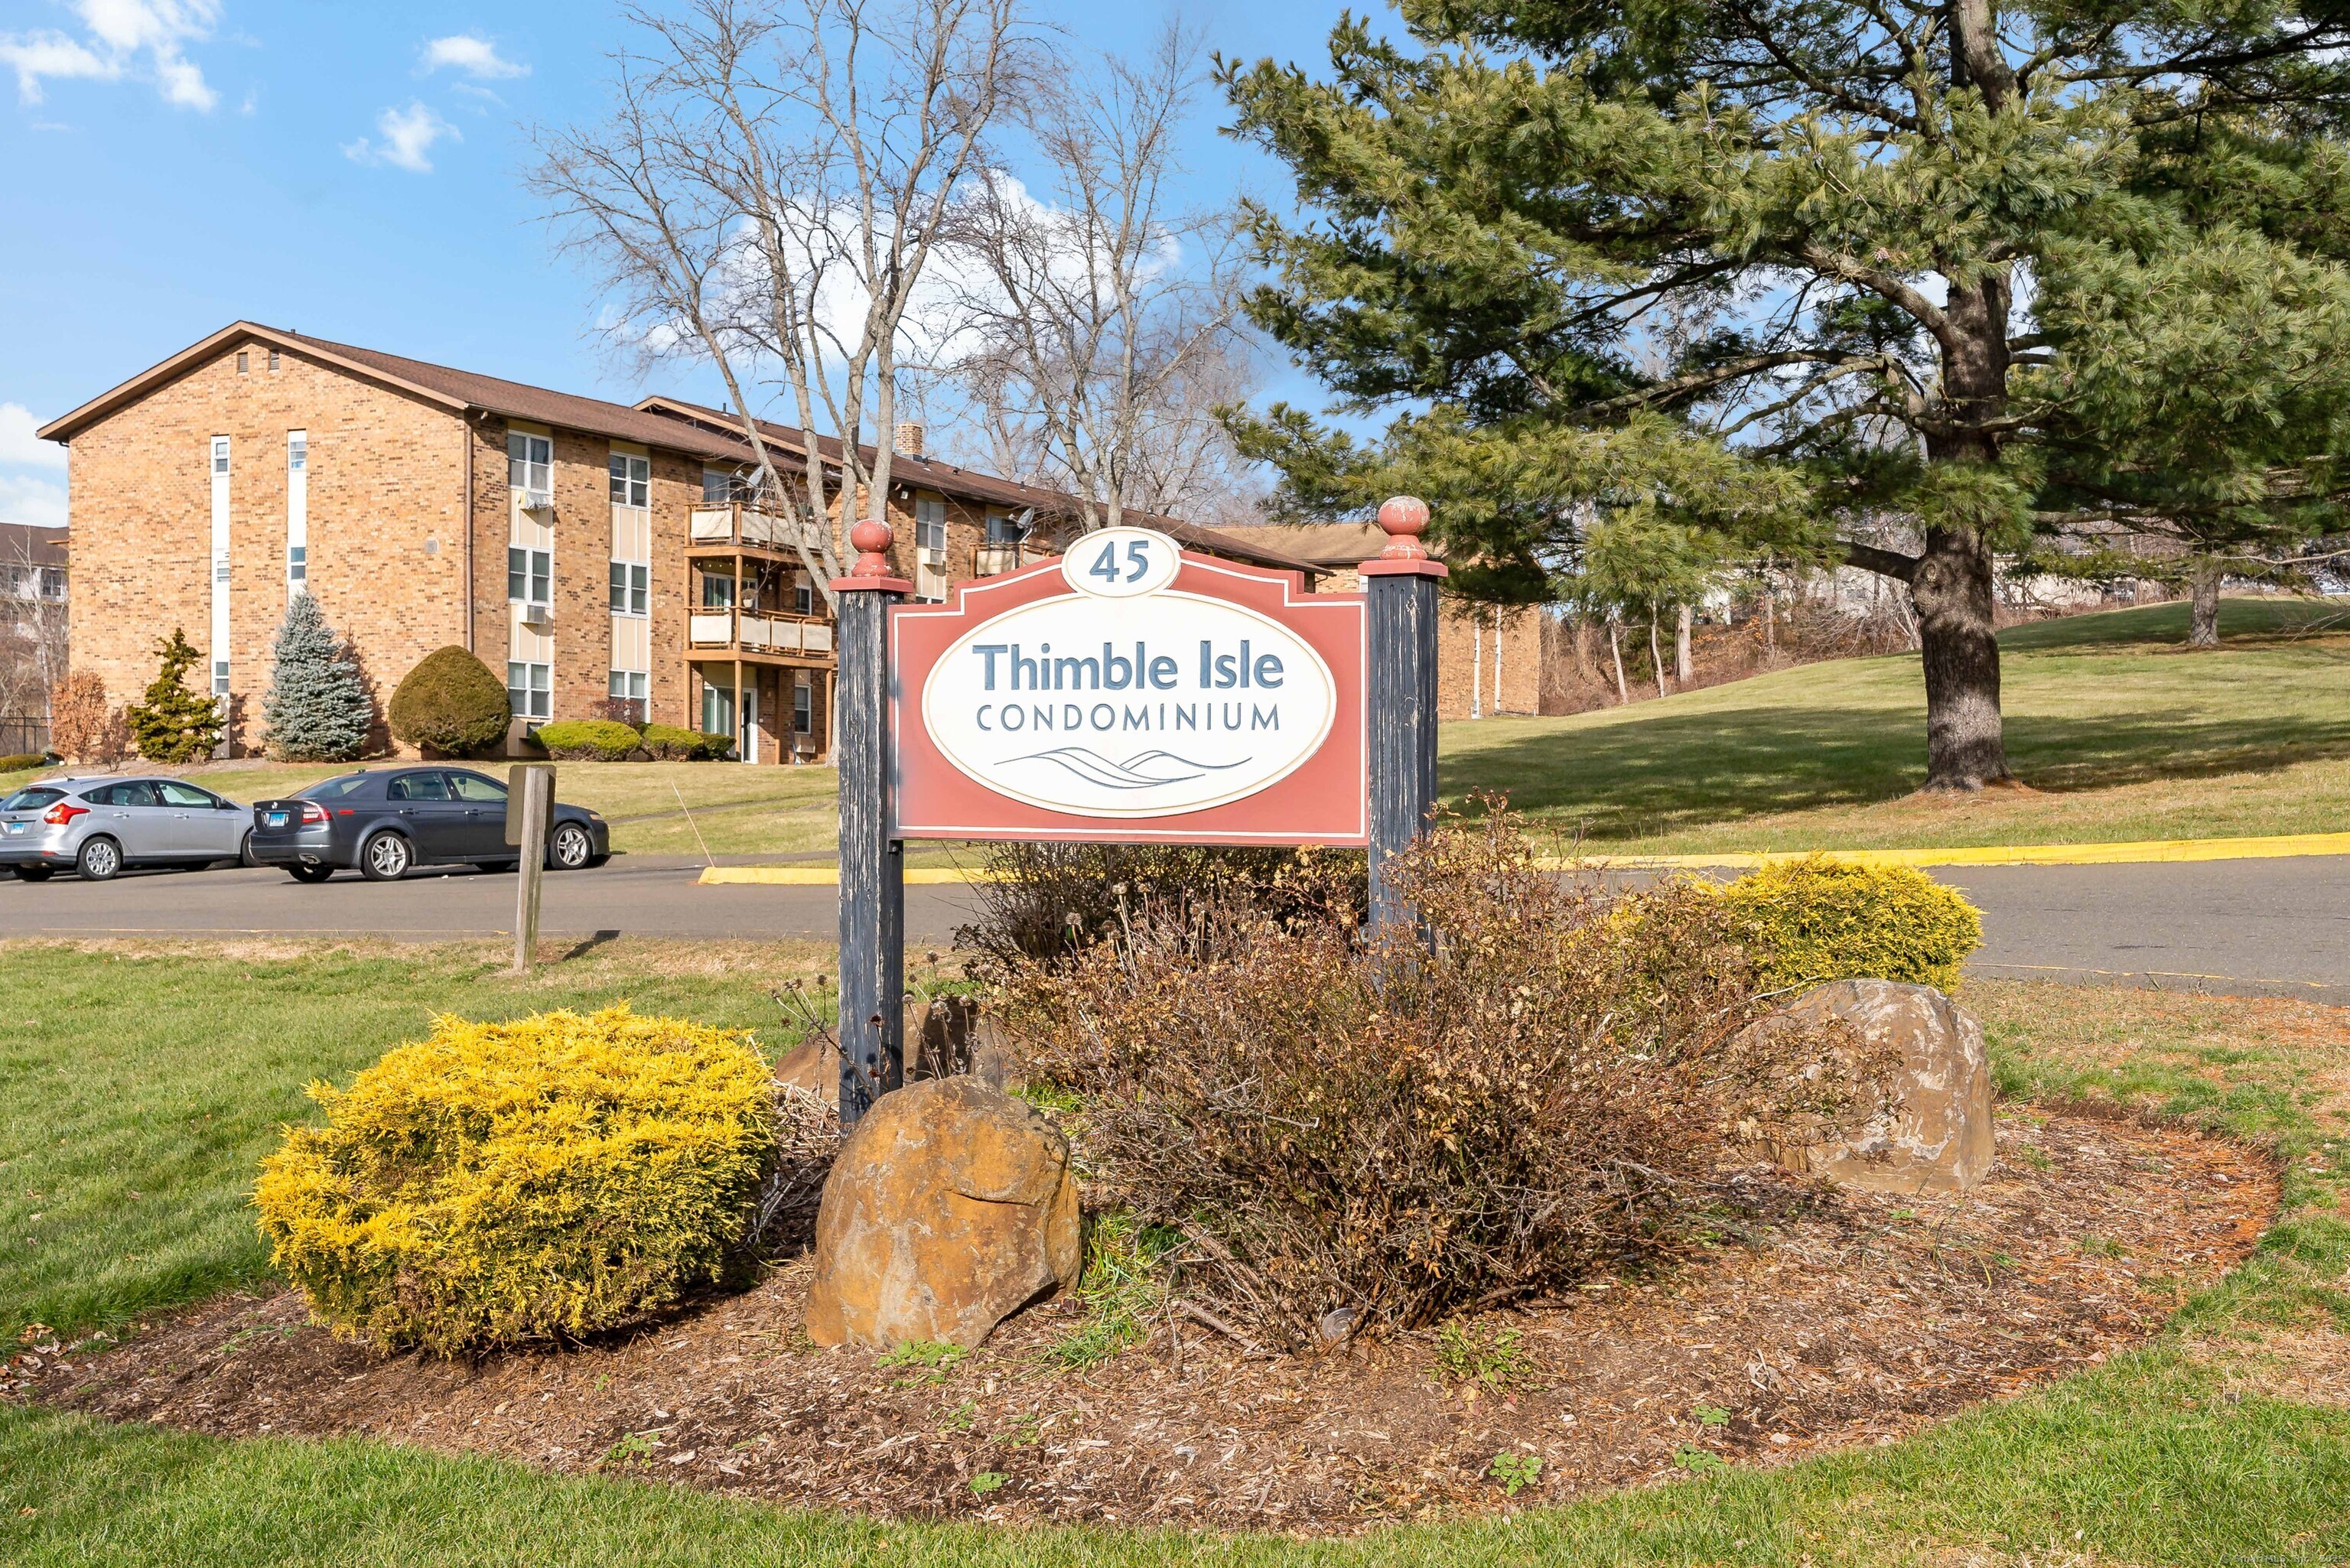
407,138
475,56
18,445
144,39
41,502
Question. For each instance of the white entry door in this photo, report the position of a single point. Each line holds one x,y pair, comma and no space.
748,746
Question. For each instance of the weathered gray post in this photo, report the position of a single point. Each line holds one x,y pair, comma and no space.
872,863
1401,691
530,809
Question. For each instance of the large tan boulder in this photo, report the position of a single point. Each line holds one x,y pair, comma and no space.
1933,1132
950,1206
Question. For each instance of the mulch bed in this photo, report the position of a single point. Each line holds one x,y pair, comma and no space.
1855,1321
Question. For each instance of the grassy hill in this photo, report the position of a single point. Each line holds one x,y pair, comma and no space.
2118,732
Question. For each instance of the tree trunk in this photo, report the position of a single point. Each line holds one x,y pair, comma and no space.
1656,653
1684,668
1615,652
1770,623
1952,587
2203,623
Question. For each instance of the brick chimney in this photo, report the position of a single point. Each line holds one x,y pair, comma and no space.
908,441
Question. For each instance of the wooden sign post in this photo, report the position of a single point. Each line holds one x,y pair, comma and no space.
1126,691
530,808
872,856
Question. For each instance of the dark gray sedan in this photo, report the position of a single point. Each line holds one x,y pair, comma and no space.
384,823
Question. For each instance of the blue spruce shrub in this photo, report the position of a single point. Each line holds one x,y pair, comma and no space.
317,709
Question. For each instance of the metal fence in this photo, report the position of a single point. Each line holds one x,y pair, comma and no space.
20,736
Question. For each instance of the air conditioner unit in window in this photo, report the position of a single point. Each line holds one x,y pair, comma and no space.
936,560
537,615
537,500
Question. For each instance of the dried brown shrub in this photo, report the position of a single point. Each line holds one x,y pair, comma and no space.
82,728
1395,1133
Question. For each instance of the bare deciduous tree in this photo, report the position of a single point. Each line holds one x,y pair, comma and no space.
1092,332
765,195
33,640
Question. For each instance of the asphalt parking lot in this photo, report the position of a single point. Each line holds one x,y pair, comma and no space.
2278,927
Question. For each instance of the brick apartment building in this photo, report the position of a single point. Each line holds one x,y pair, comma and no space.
594,552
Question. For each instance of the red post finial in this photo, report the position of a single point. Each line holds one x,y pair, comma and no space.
1405,518
871,537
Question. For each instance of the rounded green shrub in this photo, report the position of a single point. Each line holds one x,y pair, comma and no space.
587,741
1814,919
669,743
502,1183
450,703
18,762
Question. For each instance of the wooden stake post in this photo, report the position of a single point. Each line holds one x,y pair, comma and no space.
872,861
1401,678
530,806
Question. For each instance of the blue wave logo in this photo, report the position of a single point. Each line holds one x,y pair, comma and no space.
1144,769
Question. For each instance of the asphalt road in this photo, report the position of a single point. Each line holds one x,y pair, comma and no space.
2241,927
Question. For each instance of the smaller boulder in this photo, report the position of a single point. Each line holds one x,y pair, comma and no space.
950,1206
814,1066
1933,1132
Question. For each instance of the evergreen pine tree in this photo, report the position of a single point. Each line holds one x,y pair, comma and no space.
175,724
317,709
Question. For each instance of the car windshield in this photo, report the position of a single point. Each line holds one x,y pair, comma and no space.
331,789
32,798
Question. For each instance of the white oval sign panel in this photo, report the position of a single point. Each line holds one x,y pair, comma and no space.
1110,703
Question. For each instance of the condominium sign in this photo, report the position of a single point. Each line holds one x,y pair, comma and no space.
1130,690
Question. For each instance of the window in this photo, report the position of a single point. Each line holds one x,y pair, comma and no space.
632,479
632,588
297,448
931,524
335,789
31,799
187,795
1004,529
220,568
803,706
138,794
803,596
630,687
240,362
527,686
529,574
273,360
53,582
220,677
475,787
220,454
721,485
530,462
297,562
717,590
717,711
418,786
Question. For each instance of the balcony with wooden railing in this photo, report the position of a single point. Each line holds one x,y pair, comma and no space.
755,633
995,560
737,526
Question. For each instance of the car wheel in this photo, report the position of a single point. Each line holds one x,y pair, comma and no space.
32,873
100,860
386,857
570,847
244,850
309,873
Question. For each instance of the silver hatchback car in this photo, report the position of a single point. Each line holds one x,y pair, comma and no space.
98,826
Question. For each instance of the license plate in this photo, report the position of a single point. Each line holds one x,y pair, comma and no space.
14,828
274,818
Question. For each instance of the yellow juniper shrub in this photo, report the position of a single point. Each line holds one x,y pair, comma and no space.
1804,921
504,1182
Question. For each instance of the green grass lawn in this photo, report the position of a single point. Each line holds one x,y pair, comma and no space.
140,1084
2118,730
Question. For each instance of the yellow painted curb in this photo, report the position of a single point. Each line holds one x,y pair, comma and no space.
825,875
2147,851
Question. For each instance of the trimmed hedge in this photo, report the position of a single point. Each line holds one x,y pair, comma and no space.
588,740
669,743
542,1179
451,702
19,761
1806,921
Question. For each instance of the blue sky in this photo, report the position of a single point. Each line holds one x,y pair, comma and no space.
352,169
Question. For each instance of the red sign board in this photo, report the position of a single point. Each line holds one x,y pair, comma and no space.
1132,691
